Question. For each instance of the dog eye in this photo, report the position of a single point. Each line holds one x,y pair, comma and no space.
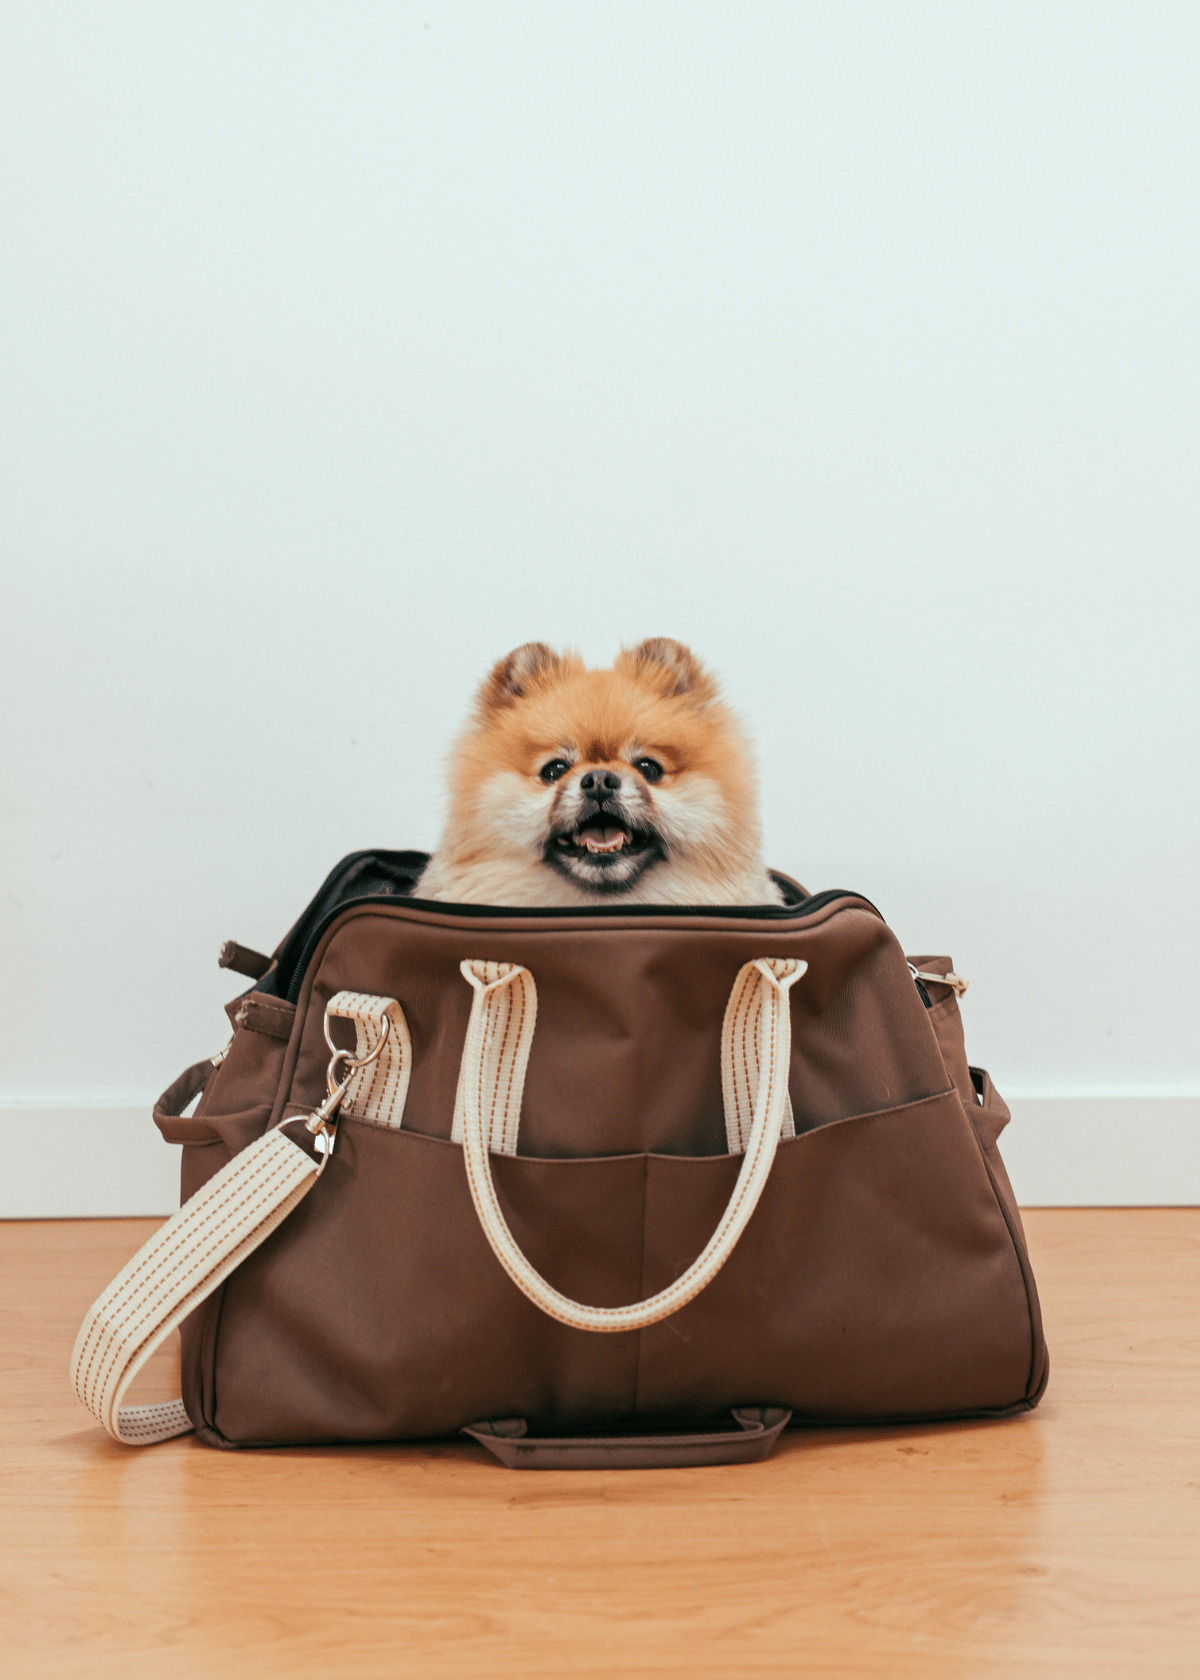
650,768
551,772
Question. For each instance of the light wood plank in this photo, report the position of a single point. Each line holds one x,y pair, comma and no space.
1065,1543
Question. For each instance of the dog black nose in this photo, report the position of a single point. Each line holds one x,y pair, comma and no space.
600,783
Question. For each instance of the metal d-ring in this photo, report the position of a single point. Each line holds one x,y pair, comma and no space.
345,1054
351,1063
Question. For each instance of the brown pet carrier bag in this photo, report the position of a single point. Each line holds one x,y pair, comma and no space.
610,1187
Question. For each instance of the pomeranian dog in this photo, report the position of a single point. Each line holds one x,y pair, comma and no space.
578,787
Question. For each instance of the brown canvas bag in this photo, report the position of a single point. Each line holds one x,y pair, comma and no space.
457,1166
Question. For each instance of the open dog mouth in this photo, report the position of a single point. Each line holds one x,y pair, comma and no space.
603,843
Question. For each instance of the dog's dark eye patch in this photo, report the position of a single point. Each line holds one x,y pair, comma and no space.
650,768
551,772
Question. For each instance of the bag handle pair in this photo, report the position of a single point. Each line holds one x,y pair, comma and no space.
193,1253
757,1061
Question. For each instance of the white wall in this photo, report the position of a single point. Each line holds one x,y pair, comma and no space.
346,346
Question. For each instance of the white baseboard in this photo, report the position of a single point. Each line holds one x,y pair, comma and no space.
90,1162
101,1161
1111,1151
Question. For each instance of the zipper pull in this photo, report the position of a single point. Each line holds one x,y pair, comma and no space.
955,981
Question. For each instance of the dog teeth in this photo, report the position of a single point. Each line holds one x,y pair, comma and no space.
598,840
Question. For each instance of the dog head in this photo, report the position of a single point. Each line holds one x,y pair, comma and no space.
631,780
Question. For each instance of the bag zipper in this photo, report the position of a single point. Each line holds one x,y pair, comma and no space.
485,912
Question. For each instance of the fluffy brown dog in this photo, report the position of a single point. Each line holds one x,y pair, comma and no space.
580,787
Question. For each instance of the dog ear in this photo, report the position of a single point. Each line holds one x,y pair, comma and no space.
671,667
519,671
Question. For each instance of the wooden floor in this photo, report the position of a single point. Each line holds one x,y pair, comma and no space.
1066,1542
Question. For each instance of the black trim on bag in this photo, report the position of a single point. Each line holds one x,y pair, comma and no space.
378,877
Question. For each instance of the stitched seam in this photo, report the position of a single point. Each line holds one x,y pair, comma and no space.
512,1073
743,1090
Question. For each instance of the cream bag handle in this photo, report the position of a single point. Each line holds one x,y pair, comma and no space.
242,1204
499,1034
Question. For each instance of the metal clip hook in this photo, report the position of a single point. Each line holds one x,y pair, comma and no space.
352,1064
322,1122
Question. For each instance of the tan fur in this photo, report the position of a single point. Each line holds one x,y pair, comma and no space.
536,707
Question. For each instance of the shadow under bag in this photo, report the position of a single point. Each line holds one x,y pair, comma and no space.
601,1188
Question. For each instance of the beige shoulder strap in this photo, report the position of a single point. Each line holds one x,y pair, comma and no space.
222,1225
183,1262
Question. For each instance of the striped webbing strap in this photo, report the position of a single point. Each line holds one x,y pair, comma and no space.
509,1007
378,1091
745,1051
183,1262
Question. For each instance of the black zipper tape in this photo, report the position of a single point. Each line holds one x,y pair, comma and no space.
390,876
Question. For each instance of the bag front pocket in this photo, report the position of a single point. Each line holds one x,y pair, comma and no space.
879,1278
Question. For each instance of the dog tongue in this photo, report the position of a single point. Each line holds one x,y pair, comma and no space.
603,839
